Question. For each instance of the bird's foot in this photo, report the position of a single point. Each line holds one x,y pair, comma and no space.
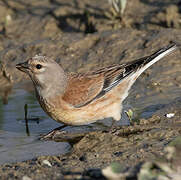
112,130
51,135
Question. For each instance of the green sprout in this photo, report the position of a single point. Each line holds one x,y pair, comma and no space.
129,113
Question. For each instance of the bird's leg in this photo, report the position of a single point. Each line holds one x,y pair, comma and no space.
52,133
113,126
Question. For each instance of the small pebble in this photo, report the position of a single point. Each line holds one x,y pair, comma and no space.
170,115
46,162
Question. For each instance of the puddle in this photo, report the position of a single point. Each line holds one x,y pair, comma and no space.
150,101
15,144
18,144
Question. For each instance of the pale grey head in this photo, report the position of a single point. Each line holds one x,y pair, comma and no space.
48,76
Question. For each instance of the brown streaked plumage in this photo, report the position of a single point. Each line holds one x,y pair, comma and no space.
78,99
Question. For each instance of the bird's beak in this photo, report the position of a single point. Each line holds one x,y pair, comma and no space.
23,66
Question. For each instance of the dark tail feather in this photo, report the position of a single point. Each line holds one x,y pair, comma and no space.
139,63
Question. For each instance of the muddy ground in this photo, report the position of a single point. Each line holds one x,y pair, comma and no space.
78,35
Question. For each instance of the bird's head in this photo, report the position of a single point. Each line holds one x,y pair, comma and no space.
44,72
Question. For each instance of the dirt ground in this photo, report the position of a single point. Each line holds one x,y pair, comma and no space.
78,35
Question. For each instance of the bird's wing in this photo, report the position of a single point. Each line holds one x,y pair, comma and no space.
83,89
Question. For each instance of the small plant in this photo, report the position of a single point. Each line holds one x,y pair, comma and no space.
117,9
134,115
129,113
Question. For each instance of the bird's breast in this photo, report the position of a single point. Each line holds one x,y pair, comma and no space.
57,109
62,112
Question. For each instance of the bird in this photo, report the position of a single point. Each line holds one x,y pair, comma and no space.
76,99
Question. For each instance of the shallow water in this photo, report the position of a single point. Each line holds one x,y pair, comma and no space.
149,100
15,143
18,143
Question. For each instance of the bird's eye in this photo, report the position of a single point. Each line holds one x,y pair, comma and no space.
38,66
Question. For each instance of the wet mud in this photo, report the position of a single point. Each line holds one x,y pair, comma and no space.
79,36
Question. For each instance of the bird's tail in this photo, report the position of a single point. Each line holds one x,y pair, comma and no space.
140,65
